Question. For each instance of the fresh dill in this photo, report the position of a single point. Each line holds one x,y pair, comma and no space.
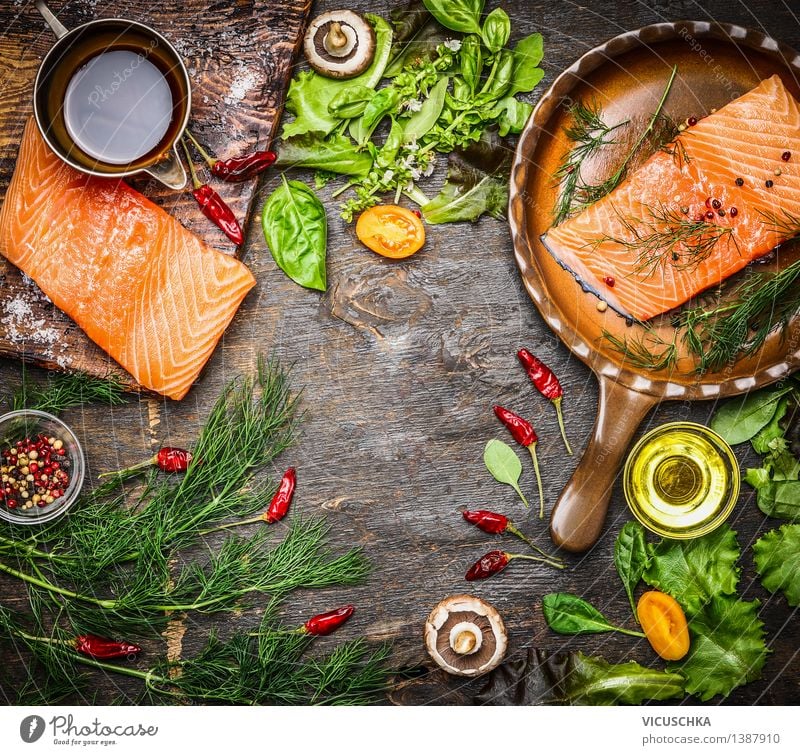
668,238
648,351
763,303
783,222
588,133
67,390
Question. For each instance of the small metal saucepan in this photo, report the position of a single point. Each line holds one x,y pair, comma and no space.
73,50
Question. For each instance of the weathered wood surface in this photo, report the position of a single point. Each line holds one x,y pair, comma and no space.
401,363
239,56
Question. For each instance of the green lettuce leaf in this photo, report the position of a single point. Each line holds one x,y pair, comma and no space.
695,571
727,649
310,94
336,154
777,559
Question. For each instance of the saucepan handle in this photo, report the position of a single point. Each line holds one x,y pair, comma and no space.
578,517
58,28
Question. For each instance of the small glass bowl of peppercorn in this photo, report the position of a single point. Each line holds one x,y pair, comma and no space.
41,467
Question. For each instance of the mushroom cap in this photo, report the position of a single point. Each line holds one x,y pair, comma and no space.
465,613
355,54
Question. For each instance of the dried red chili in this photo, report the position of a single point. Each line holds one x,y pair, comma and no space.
168,459
213,206
103,649
547,384
494,562
325,623
279,506
522,431
496,524
238,168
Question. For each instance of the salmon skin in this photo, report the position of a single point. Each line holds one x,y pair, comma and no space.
145,289
725,192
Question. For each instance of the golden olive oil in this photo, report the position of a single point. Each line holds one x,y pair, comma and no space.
681,480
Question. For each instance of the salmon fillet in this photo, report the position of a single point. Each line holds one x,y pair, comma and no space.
648,246
145,289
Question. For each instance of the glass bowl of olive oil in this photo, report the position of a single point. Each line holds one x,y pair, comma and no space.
681,480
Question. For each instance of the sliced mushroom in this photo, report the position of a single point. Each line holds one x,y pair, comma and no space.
340,44
465,635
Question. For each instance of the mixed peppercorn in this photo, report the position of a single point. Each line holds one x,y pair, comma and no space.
35,472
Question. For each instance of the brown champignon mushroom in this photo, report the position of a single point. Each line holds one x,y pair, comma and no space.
465,635
340,44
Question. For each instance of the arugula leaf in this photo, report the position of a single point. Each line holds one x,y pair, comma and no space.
512,115
695,571
738,421
631,557
477,183
727,650
569,614
310,94
458,15
528,53
336,154
777,559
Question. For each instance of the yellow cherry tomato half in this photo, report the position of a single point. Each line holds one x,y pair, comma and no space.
664,625
390,231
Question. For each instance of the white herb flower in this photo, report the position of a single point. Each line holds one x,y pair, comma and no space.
387,176
453,44
413,106
412,146
416,174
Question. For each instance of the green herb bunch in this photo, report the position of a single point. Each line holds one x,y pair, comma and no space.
442,92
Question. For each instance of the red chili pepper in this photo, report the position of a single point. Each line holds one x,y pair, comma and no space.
168,459
236,168
325,623
547,384
282,499
522,431
495,524
213,206
495,561
103,649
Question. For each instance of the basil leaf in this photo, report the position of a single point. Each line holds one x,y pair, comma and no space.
569,614
504,465
350,102
739,420
496,30
296,231
310,94
336,154
470,60
777,560
762,441
424,119
631,558
382,103
388,152
458,15
528,53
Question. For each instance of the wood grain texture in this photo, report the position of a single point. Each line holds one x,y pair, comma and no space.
239,56
401,362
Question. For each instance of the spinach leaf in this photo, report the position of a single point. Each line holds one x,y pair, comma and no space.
424,119
310,94
477,183
504,465
576,679
739,420
458,15
631,557
777,559
695,571
496,30
528,53
569,614
336,154
727,648
764,440
296,231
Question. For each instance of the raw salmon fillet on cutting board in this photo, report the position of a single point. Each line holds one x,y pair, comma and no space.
636,248
146,290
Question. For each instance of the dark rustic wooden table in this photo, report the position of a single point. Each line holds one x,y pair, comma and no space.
401,363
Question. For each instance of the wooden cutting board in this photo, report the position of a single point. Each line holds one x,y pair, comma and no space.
239,55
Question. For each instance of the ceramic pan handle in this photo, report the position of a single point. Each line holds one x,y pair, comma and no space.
578,517
58,28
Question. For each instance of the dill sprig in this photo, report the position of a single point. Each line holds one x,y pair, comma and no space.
763,303
668,238
269,666
648,350
66,390
783,222
588,133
